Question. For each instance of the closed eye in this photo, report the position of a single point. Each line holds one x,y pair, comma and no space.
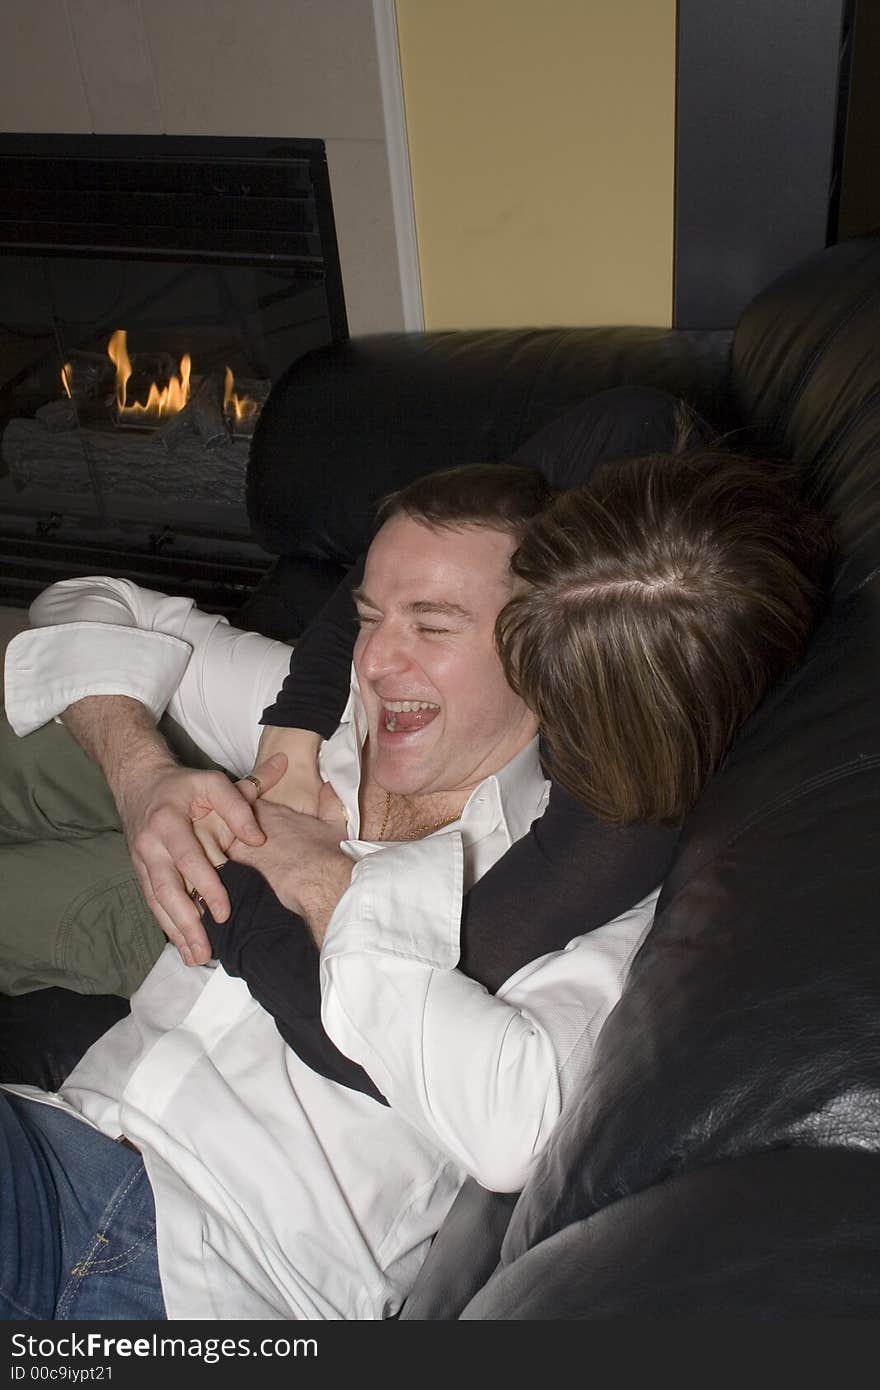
434,631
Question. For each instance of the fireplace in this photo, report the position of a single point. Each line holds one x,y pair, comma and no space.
152,290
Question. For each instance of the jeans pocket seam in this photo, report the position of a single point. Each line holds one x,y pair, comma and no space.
94,1264
84,1267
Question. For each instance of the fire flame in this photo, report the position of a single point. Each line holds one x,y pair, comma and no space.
161,402
238,407
166,400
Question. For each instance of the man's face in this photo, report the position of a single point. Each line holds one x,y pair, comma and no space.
440,713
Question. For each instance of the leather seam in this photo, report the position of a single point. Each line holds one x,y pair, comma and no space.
811,364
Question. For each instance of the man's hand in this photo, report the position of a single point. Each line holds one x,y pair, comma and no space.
161,809
158,802
301,859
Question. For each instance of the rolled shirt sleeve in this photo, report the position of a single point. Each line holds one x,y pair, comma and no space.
104,636
484,1076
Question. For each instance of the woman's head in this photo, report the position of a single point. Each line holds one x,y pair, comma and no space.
660,604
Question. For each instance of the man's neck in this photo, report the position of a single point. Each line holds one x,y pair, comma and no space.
391,816
352,779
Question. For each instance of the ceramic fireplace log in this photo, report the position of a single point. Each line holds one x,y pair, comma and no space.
89,376
202,415
125,461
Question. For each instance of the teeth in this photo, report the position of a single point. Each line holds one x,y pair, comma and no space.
407,706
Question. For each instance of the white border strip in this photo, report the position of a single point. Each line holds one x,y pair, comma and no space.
394,115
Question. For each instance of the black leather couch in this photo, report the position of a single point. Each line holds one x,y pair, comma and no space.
723,1155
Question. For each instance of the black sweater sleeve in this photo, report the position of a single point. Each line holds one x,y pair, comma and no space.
270,948
316,687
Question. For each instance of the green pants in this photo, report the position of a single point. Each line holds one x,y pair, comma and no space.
71,909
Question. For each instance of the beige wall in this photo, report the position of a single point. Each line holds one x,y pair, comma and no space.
541,140
304,68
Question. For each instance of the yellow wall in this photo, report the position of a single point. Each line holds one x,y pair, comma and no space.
541,138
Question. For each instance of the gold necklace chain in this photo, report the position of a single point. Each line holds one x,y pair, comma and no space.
417,830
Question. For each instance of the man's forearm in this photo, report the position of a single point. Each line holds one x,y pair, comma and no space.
158,802
105,636
319,898
119,735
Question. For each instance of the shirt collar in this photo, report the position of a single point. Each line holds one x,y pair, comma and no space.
511,797
340,756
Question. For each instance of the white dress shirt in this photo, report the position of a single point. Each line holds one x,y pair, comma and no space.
281,1194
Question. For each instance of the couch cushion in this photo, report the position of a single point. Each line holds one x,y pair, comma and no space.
754,1238
45,1033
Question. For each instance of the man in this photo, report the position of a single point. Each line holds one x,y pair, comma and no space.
279,1193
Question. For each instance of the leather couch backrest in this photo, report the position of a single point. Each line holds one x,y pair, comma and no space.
346,425
806,371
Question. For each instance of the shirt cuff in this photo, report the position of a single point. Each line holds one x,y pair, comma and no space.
403,901
45,670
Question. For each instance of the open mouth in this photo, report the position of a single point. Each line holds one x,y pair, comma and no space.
407,716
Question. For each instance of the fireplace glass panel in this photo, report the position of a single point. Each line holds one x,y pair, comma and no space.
208,340
152,289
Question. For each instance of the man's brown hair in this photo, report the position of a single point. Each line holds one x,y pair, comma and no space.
502,496
664,600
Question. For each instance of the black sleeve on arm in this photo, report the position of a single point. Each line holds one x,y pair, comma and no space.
624,422
270,948
316,687
571,873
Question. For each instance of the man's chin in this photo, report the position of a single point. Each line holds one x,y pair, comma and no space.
403,776
400,762
398,783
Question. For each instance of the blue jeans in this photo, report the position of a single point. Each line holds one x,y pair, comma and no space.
77,1221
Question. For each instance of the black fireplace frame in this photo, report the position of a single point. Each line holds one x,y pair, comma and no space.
66,196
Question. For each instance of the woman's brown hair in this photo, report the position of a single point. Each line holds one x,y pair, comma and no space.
663,600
